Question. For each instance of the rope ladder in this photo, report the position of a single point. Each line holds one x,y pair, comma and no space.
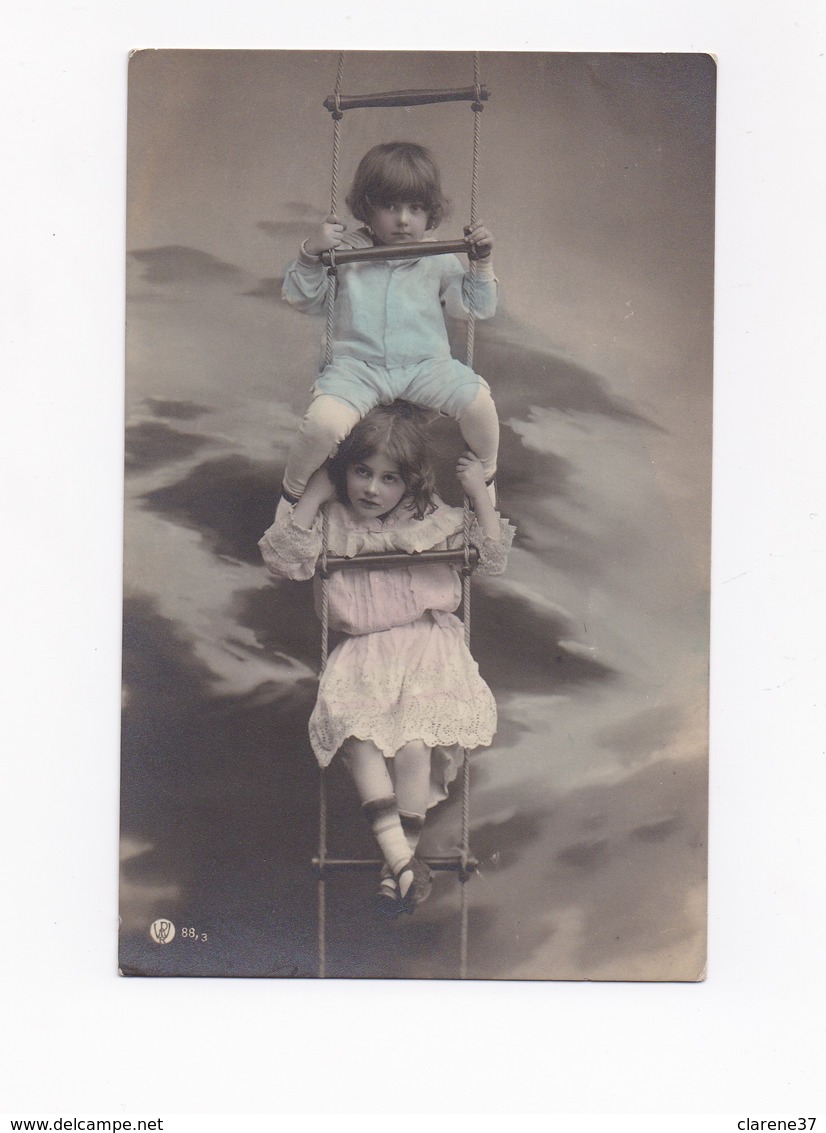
463,863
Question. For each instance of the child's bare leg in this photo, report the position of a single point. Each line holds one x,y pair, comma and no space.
326,423
479,424
412,772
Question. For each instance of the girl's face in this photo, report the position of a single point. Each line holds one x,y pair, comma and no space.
400,223
374,486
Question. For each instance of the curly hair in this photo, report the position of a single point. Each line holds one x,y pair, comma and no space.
393,172
397,431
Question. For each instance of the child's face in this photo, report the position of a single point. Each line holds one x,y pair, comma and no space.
400,223
374,486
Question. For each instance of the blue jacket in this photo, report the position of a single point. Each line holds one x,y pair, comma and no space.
391,312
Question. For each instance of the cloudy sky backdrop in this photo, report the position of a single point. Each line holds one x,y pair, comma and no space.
589,812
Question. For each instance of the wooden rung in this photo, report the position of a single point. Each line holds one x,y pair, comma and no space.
395,251
387,560
451,863
405,98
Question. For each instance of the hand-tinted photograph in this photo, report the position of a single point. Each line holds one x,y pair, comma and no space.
417,515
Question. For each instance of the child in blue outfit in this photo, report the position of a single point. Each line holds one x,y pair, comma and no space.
389,336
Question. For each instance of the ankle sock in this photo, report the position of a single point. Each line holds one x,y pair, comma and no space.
383,816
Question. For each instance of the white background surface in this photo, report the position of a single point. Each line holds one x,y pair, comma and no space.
75,1039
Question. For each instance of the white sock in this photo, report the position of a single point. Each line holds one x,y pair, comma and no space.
383,816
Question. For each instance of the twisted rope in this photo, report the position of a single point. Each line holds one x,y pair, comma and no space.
463,873
337,114
471,326
477,107
471,318
466,570
325,589
322,782
332,274
322,891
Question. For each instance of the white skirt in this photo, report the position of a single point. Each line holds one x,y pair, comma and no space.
412,682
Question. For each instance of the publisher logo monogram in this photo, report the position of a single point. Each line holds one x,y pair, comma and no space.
162,931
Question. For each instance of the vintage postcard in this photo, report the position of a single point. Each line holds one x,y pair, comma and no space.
310,234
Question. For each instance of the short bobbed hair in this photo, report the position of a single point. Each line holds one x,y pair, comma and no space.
398,432
393,172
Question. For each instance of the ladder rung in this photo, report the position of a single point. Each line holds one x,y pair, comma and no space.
449,863
396,251
387,560
405,98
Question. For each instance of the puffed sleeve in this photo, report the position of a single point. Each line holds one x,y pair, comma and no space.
290,551
306,284
457,287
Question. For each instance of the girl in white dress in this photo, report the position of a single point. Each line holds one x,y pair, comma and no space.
401,694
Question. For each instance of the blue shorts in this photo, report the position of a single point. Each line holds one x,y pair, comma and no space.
439,383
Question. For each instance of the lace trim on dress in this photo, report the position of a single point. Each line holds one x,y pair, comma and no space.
286,547
414,682
493,553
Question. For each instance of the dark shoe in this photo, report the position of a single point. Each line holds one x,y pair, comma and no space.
387,901
419,888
